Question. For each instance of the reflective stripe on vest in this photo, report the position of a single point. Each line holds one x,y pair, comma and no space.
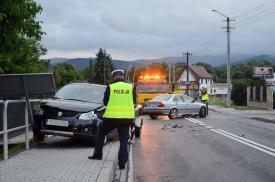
204,97
120,104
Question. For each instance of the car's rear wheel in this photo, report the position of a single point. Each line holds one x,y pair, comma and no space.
173,113
153,116
138,130
202,113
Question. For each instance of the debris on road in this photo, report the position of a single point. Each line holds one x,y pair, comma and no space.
168,126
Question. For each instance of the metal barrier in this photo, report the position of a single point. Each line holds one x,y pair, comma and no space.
5,126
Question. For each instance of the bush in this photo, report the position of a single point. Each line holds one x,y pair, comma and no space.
238,94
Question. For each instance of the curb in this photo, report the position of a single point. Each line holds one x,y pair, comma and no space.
126,175
109,165
263,119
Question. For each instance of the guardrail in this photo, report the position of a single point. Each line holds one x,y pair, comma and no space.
6,130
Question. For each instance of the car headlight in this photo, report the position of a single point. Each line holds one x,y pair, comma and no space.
88,116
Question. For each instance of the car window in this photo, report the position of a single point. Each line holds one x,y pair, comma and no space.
187,98
82,92
162,98
178,98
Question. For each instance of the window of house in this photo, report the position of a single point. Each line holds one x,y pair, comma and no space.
205,81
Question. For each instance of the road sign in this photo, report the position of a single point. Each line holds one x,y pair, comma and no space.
186,83
262,72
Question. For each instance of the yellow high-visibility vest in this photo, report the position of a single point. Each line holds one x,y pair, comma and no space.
120,104
204,97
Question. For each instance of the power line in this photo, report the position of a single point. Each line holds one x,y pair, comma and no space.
259,11
254,9
264,12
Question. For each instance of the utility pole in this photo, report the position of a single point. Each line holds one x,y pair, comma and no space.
174,72
90,75
187,54
104,72
227,27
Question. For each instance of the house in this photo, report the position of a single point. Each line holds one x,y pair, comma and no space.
196,74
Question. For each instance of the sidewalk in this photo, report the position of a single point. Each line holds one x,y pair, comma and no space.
60,164
261,115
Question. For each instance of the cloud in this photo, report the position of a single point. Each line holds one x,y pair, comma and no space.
151,28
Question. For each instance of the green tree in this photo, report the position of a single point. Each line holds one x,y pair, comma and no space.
103,67
65,73
20,35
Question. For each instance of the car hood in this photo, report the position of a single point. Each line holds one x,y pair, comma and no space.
70,105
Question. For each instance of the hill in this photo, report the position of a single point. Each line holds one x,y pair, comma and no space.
214,60
81,63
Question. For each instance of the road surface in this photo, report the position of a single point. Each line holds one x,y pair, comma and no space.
213,149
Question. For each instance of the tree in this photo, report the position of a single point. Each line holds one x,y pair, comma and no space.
103,67
20,35
65,73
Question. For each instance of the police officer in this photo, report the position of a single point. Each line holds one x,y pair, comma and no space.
204,98
119,99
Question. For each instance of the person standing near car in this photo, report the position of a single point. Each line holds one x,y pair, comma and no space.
119,99
204,98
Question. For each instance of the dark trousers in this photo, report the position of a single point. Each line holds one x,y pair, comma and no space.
206,104
108,125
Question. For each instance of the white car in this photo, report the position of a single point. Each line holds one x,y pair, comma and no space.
173,105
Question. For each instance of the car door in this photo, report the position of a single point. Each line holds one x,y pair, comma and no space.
179,102
185,108
190,105
176,104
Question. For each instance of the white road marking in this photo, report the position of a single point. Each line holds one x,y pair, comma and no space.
249,141
191,120
209,127
244,142
195,120
200,123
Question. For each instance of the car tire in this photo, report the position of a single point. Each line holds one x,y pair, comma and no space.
138,130
202,113
38,136
173,114
153,116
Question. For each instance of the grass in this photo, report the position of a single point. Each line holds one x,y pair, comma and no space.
222,102
14,149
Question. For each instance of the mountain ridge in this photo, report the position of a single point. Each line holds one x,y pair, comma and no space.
214,60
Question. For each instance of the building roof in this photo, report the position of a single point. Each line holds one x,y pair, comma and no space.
199,72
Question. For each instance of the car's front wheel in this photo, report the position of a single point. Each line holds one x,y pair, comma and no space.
153,116
202,113
173,113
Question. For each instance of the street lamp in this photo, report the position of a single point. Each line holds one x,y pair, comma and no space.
228,56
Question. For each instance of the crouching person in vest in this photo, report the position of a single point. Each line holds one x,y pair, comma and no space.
119,99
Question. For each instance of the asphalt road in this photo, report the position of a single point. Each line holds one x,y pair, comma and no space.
217,148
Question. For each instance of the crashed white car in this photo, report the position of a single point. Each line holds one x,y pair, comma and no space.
173,105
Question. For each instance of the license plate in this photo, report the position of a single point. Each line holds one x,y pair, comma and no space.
57,122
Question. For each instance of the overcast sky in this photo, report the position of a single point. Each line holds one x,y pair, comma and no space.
133,29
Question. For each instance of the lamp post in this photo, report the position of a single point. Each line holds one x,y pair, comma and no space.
228,56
